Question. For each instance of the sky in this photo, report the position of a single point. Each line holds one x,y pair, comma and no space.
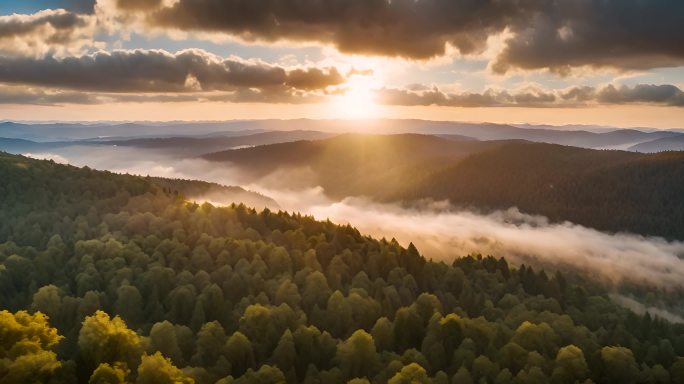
607,62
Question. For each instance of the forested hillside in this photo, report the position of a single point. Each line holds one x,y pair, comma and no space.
110,278
196,190
609,190
352,164
675,143
195,146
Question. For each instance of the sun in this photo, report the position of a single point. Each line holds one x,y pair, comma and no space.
357,98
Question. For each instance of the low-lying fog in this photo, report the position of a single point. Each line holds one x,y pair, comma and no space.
437,229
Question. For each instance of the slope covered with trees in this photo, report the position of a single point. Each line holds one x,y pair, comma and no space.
674,143
352,164
109,278
196,190
195,146
607,190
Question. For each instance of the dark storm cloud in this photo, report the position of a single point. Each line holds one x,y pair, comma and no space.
160,71
557,35
665,95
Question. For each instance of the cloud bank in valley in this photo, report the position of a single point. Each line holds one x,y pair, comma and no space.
642,309
438,230
47,156
443,233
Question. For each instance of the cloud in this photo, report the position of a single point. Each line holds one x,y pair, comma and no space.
664,94
642,93
488,98
303,86
47,50
623,34
138,4
641,309
57,97
156,71
48,32
314,78
37,96
78,6
402,28
47,156
554,35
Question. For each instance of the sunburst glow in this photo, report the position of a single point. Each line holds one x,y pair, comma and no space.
357,100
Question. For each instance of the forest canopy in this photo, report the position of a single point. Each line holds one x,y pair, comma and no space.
108,278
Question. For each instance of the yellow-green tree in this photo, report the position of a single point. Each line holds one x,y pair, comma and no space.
26,341
357,355
156,369
108,340
570,365
109,374
239,351
618,365
411,374
265,375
